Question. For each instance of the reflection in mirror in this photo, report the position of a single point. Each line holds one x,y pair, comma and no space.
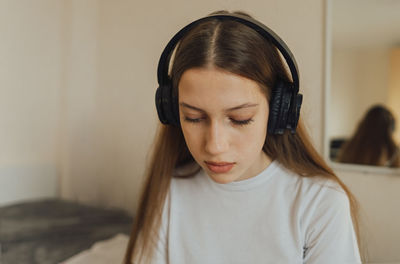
372,142
365,72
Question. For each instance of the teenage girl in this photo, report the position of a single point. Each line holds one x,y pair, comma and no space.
233,176
372,142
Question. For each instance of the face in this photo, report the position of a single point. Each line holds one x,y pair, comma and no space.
224,120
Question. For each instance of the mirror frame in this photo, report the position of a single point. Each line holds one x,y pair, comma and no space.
336,166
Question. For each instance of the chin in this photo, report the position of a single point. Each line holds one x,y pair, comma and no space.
222,178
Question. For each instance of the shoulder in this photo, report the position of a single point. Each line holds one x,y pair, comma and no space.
321,202
323,189
310,185
313,193
324,214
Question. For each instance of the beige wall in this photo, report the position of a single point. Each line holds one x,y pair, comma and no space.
359,80
31,50
394,88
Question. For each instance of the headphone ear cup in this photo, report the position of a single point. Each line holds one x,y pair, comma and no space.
284,108
294,114
167,105
159,105
175,109
274,106
279,108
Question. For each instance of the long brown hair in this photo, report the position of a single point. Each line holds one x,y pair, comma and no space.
232,47
372,142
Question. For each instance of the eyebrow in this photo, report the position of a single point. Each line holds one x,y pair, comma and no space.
245,105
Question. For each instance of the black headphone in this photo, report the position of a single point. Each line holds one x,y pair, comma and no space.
285,103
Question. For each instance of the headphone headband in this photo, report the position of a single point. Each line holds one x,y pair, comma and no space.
163,64
285,101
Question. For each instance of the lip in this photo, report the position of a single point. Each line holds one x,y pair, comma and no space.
219,167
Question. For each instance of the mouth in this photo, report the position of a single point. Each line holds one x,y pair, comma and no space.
219,167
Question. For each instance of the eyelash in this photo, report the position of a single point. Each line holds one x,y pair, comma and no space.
241,122
234,121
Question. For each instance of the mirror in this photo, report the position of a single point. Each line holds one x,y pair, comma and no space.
363,70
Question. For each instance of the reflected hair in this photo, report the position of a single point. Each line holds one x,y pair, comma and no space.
372,142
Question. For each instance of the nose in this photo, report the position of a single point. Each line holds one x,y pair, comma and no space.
217,140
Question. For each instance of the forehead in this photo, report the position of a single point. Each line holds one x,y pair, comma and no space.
211,86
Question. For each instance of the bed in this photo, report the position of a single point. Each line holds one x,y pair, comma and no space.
50,231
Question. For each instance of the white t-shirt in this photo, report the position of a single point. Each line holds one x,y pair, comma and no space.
274,217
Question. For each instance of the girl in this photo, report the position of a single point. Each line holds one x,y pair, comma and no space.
373,142
231,179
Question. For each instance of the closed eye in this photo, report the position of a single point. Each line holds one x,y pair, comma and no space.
234,121
241,122
193,120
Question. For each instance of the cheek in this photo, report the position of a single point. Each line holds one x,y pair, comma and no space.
192,138
253,140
